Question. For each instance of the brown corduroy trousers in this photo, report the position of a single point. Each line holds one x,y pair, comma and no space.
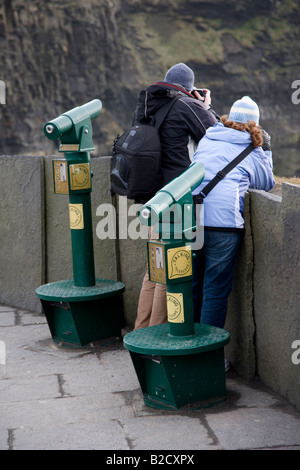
152,305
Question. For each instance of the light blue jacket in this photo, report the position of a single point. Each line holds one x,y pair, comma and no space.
224,205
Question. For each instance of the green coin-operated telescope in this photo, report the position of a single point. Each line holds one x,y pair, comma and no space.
83,309
74,127
178,192
171,210
181,362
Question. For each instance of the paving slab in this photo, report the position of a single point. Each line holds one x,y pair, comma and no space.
58,398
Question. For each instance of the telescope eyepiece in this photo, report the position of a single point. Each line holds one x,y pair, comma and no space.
146,213
50,129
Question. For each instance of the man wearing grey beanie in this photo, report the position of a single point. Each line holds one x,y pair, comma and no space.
186,123
181,74
188,119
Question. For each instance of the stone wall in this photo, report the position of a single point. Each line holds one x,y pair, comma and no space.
35,235
22,230
264,311
240,321
264,306
276,287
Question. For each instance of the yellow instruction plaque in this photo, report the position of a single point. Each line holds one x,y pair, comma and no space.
175,308
80,176
157,268
76,216
69,147
60,172
179,262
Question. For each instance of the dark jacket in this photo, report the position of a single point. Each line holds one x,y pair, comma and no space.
188,118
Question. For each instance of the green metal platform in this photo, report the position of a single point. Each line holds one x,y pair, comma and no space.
174,371
67,291
80,315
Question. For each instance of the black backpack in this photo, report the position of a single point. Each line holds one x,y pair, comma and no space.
136,159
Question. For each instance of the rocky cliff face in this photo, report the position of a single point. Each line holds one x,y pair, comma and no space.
60,54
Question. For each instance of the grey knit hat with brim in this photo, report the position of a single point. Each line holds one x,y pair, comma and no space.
181,74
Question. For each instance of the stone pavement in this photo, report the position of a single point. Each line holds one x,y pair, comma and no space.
56,398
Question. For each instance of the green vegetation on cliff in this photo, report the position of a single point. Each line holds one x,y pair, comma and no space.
60,54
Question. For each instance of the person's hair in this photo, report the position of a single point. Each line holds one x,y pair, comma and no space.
251,127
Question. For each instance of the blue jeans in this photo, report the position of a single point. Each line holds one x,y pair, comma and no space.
213,269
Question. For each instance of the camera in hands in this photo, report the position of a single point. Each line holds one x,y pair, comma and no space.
201,92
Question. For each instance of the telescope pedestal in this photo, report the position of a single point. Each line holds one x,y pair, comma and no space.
174,371
78,316
182,362
84,309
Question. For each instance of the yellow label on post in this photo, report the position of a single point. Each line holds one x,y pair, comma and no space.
60,172
69,147
80,176
76,216
179,262
175,308
157,268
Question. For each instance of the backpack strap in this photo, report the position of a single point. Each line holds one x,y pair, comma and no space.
221,174
161,114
